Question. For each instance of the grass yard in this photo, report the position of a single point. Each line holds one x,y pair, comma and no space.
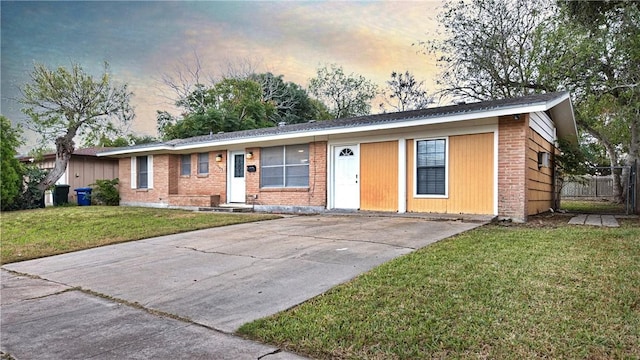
594,206
542,290
42,232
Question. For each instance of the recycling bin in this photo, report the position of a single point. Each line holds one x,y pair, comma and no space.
84,196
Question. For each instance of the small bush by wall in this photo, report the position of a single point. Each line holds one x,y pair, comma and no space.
105,192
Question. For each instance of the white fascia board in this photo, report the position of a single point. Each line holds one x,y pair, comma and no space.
553,102
126,151
519,109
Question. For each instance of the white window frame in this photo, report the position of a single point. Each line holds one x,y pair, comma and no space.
284,168
134,173
446,169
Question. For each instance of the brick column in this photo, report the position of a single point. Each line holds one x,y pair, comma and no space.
512,147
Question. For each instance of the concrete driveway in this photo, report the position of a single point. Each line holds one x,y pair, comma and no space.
161,296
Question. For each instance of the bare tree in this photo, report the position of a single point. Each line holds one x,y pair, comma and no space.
404,92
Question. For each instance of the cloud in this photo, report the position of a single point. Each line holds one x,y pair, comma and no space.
144,40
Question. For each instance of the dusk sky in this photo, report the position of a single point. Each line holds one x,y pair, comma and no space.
144,40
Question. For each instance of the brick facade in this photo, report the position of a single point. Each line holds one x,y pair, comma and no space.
512,177
203,190
314,195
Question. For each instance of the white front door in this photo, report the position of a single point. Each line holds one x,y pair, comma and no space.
346,184
237,187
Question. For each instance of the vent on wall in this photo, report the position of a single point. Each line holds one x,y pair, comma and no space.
543,159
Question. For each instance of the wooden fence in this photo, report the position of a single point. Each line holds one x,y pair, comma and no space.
592,187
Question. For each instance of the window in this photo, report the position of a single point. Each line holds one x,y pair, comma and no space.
185,164
203,163
285,166
431,167
142,172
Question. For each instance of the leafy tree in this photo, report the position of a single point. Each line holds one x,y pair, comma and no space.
292,103
11,170
492,48
404,92
65,103
498,49
608,88
121,141
230,105
345,95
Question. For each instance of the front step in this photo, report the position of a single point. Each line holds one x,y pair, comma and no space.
228,208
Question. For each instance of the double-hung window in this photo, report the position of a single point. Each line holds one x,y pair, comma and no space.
142,172
431,171
185,165
203,163
284,166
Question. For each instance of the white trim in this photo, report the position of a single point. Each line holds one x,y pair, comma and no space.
432,120
329,179
402,175
496,154
134,174
331,171
230,172
149,171
446,169
543,125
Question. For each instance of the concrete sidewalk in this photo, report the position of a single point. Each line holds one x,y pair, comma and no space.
183,295
594,220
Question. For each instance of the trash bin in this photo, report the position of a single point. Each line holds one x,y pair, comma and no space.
84,196
61,195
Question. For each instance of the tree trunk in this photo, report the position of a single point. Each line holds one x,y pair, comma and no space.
613,159
618,195
64,149
633,158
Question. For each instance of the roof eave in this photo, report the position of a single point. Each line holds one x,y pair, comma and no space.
565,124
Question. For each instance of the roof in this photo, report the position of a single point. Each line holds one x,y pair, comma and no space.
89,151
564,120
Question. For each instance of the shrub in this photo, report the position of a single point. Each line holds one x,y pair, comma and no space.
31,197
105,192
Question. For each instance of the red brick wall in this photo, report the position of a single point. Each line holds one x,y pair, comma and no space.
314,195
174,189
213,183
159,194
512,152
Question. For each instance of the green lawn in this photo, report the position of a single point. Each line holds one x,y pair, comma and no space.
595,206
36,233
500,292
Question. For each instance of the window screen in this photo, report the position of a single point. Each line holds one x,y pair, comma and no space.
285,166
203,163
185,164
431,167
142,166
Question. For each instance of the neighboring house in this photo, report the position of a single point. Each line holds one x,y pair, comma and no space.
83,169
492,157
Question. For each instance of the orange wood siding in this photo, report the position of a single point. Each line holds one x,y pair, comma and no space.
470,180
379,176
539,181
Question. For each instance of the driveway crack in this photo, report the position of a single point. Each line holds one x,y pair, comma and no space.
352,240
269,354
223,253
